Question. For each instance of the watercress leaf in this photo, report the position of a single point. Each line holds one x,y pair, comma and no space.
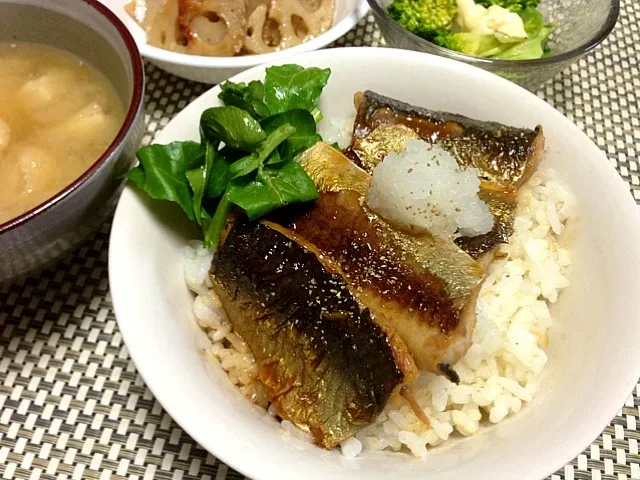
136,175
304,137
162,172
277,137
235,94
233,126
336,146
247,97
298,144
291,86
220,176
252,196
196,180
256,87
274,158
244,166
292,183
301,119
533,21
199,179
274,186
251,162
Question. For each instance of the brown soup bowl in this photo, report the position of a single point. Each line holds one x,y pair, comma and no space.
89,30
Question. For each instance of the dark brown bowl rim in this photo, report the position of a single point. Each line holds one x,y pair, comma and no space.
132,112
612,18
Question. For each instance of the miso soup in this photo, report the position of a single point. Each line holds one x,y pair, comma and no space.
57,116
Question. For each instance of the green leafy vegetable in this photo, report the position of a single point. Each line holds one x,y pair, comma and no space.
252,162
474,44
305,135
215,227
511,5
506,39
426,18
220,171
532,20
162,173
232,126
273,187
529,49
247,97
199,180
433,20
274,158
288,87
246,157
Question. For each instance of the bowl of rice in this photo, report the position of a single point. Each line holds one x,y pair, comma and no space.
553,354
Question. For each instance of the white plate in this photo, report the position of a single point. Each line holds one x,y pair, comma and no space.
216,69
594,356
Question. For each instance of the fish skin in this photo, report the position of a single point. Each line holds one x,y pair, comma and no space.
504,156
421,286
333,172
325,364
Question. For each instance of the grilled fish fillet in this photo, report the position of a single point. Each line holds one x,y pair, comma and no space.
505,157
326,366
423,287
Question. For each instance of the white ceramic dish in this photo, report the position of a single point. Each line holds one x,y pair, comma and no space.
216,69
594,359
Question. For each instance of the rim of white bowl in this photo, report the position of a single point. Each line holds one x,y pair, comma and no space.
336,31
238,461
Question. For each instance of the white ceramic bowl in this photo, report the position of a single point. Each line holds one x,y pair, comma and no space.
216,69
594,356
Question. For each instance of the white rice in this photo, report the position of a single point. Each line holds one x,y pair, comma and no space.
498,375
424,188
337,130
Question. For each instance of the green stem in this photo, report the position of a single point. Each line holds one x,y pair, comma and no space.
250,163
214,230
274,139
317,114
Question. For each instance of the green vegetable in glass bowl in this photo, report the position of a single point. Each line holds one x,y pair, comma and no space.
511,5
246,156
426,18
501,29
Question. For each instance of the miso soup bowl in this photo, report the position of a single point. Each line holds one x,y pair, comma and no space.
92,32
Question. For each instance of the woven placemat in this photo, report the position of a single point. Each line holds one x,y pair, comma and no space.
72,404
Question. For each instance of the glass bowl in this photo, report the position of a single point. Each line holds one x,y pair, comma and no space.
580,26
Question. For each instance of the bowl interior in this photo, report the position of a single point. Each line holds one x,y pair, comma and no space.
577,22
594,360
82,31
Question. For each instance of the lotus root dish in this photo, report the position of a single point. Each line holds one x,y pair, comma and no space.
225,28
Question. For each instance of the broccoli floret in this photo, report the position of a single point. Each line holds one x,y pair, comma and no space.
426,18
449,40
511,5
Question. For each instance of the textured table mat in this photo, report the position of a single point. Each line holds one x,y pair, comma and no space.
72,404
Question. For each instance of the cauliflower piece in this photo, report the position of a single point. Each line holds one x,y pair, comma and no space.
474,18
